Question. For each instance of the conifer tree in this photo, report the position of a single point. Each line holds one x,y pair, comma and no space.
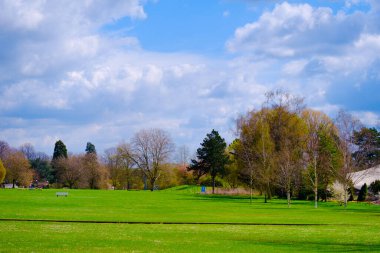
211,157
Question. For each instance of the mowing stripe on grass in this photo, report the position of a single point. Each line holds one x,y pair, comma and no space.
168,222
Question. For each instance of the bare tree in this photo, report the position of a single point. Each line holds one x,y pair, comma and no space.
4,150
149,150
28,150
70,170
316,122
124,163
94,173
347,125
183,154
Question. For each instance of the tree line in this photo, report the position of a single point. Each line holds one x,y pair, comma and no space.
143,163
288,150
283,149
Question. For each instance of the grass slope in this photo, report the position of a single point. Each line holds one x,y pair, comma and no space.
336,229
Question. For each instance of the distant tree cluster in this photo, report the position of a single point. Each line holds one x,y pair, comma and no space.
144,163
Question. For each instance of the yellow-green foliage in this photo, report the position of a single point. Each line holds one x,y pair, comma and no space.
2,172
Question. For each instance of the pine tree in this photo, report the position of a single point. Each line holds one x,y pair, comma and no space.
90,148
211,157
60,150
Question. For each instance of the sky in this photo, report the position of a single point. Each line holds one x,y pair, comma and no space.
99,71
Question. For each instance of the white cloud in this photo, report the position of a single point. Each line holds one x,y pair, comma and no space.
368,118
295,30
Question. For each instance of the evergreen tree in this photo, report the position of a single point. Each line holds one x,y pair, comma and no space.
363,193
211,157
59,150
374,187
368,147
90,148
43,168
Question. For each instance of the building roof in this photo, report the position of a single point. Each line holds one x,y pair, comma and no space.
366,176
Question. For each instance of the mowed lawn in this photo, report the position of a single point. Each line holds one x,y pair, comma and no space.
236,225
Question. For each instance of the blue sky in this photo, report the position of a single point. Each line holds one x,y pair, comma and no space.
101,70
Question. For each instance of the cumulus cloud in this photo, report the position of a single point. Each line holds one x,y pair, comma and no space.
328,56
298,30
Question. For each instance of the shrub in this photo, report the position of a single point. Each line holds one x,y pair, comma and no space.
362,193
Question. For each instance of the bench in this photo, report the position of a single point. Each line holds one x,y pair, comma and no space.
62,194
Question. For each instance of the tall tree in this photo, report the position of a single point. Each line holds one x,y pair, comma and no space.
211,156
346,125
256,151
93,172
319,127
90,148
329,160
60,152
124,163
150,149
3,172
289,135
233,168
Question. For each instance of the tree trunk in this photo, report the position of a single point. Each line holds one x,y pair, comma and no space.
213,184
345,197
315,197
251,187
315,183
13,182
288,197
250,201
152,181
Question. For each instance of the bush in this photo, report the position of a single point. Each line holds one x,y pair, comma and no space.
374,187
363,193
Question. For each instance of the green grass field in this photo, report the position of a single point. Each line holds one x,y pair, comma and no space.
171,216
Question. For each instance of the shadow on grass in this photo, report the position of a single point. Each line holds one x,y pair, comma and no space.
302,246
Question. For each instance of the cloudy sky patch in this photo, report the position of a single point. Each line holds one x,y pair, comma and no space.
101,70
